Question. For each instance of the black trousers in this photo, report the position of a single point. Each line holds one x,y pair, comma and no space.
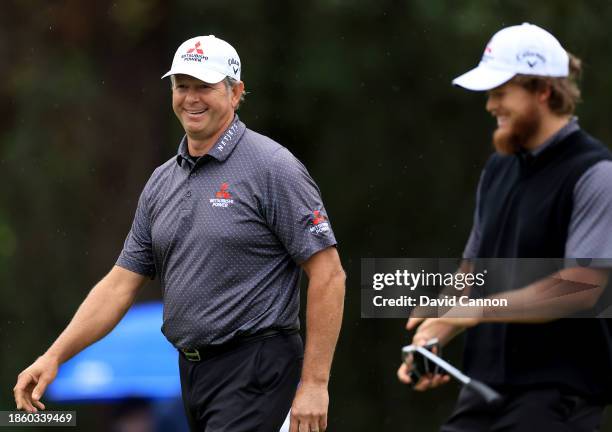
249,387
541,410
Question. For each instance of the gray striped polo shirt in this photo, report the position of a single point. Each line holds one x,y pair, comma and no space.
225,235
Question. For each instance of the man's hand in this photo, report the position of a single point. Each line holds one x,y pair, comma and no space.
309,409
425,382
32,383
444,329
99,313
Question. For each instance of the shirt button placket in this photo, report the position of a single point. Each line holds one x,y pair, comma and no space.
187,202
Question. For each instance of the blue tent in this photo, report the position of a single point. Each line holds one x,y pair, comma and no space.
134,360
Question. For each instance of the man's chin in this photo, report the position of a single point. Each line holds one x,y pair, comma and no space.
504,142
194,128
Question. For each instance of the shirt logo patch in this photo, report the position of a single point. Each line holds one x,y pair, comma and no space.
318,223
222,198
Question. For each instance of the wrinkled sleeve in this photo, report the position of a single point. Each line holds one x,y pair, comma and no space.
590,230
137,253
294,210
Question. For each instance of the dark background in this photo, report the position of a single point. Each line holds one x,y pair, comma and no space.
359,91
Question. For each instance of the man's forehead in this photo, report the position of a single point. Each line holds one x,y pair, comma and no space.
188,79
504,87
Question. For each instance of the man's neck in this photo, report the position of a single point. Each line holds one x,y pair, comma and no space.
199,146
550,125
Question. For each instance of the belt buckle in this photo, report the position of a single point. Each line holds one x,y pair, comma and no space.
192,355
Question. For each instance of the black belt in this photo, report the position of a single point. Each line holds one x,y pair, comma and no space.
197,354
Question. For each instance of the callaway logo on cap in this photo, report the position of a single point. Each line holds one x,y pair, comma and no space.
523,49
206,58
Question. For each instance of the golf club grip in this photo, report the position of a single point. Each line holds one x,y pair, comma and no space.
488,394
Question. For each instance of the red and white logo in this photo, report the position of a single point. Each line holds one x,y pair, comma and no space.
222,198
194,54
318,223
196,49
487,55
223,193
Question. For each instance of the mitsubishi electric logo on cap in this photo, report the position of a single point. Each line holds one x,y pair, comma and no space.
196,56
487,54
196,49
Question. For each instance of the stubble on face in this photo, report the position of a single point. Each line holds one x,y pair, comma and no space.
523,126
203,109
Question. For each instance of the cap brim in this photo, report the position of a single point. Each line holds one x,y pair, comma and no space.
482,78
206,75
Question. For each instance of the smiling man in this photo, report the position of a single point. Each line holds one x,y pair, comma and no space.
227,225
545,193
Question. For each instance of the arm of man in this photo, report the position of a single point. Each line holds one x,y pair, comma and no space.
573,289
325,302
99,313
557,296
419,313
561,294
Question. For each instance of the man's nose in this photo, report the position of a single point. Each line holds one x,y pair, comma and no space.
192,95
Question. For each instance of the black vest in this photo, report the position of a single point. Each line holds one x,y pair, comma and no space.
525,210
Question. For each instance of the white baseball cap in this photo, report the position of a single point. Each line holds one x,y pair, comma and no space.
522,49
206,58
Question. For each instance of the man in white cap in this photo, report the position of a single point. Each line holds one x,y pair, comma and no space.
227,225
545,193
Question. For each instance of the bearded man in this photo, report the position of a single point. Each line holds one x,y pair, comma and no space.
545,193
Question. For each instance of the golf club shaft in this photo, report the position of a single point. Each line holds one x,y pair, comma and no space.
452,370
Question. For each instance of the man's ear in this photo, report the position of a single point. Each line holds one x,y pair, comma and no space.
237,91
543,94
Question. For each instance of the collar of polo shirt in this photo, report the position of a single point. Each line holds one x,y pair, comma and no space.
222,148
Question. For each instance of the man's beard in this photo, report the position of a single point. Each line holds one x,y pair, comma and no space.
522,128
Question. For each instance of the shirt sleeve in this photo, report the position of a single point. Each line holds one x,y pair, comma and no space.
473,243
590,229
137,253
294,209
